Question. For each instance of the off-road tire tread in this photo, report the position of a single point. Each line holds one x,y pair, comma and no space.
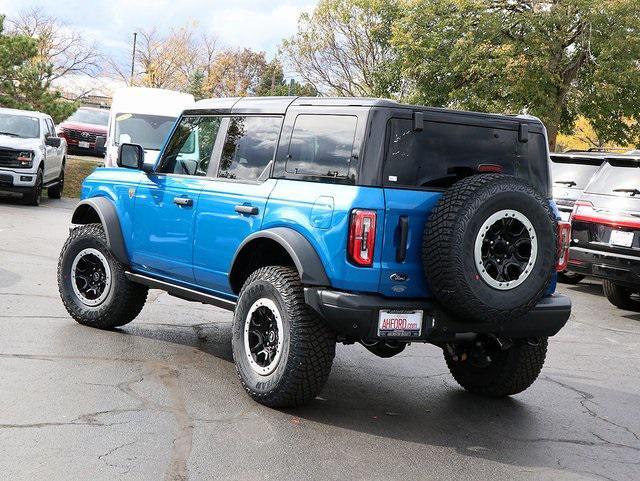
312,346
128,302
522,368
438,257
619,296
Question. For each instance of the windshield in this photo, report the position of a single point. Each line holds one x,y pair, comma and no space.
90,116
149,131
621,178
19,126
573,173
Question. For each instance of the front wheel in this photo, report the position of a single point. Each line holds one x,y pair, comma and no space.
489,368
283,353
92,282
34,197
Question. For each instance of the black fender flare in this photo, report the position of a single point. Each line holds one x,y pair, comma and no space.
108,217
303,254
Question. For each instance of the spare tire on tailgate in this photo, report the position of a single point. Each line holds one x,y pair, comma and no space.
489,248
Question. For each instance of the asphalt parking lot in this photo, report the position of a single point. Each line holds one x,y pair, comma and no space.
159,398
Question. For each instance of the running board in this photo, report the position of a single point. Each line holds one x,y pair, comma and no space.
181,292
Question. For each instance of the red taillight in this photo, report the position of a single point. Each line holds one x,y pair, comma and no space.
490,168
362,237
564,240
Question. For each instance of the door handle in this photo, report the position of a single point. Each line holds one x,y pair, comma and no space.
246,209
183,201
401,251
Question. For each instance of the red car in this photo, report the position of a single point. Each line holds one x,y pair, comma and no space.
81,129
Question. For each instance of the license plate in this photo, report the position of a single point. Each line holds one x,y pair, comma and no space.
621,238
397,323
83,145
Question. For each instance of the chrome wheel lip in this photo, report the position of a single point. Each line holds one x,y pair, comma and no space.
74,285
491,220
257,368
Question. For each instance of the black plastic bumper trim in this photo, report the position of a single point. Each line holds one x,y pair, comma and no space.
354,316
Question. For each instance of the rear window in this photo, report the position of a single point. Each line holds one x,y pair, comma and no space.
442,154
620,178
322,145
573,173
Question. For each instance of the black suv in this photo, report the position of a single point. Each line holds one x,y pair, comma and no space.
571,172
606,230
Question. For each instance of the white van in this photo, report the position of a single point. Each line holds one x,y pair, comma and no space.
143,116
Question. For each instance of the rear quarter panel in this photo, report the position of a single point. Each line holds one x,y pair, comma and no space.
320,212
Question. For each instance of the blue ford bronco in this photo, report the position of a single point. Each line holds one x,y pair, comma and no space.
319,220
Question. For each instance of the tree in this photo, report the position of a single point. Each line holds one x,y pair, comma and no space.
61,51
343,48
273,82
556,59
584,137
235,72
21,84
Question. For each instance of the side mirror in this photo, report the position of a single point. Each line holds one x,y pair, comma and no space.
52,141
101,140
131,156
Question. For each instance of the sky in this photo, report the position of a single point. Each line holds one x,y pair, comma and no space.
258,24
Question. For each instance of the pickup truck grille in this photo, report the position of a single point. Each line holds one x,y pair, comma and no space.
9,158
79,135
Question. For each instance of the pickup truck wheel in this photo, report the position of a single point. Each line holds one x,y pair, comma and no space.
619,296
92,282
34,197
282,351
489,248
55,191
496,372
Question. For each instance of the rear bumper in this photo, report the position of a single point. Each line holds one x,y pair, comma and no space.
623,269
355,317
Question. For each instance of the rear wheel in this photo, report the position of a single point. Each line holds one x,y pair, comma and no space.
282,351
55,191
485,367
620,296
92,282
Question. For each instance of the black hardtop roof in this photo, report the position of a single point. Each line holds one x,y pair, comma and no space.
279,105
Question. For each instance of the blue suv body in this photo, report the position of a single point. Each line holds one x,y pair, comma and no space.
332,204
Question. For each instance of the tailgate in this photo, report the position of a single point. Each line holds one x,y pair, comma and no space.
406,213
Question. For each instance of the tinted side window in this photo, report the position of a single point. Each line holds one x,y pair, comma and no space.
441,154
190,148
249,147
322,145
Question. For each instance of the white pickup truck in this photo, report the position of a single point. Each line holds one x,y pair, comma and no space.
32,156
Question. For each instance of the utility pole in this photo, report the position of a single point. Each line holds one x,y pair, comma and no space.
133,56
